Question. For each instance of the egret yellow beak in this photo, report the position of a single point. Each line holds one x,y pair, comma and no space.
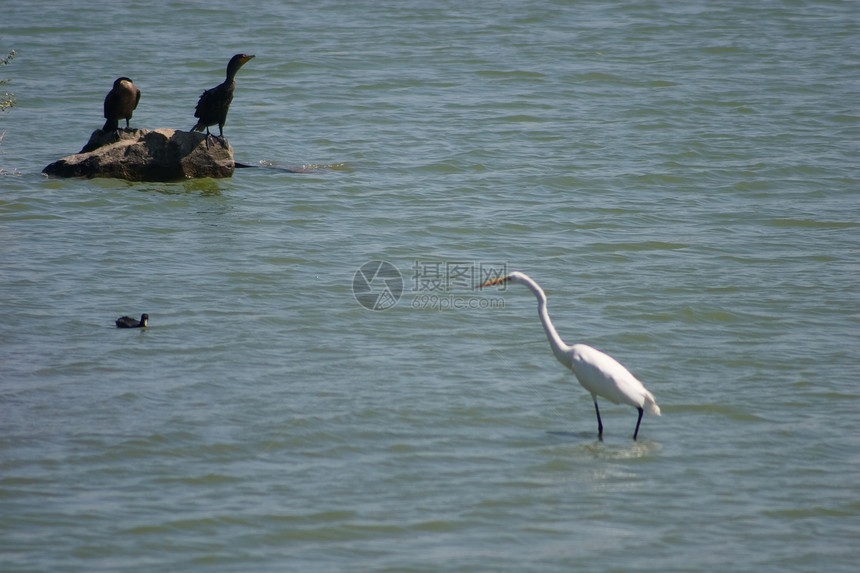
493,282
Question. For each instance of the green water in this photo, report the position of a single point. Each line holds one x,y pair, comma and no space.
680,178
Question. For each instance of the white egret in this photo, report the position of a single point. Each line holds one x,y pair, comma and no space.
598,373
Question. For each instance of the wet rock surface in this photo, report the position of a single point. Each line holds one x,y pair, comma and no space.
148,155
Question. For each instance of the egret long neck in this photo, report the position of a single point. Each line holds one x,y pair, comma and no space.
556,343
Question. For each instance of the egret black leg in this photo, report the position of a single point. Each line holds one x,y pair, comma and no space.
636,433
599,423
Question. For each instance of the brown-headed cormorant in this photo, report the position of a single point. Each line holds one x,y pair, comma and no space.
120,101
128,322
213,105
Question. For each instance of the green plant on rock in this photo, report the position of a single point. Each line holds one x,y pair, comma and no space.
7,100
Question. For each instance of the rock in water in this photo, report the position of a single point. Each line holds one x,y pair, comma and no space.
148,155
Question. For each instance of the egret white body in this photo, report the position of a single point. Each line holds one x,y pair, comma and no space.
598,372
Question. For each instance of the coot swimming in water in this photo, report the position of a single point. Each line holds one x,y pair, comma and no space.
128,322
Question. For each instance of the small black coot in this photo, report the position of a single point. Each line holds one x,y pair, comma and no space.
128,322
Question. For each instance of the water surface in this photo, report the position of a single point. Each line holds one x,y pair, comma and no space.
681,180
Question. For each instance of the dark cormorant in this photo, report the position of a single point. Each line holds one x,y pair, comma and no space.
120,102
213,105
128,322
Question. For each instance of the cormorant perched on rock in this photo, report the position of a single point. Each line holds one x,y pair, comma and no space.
213,105
120,101
128,322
